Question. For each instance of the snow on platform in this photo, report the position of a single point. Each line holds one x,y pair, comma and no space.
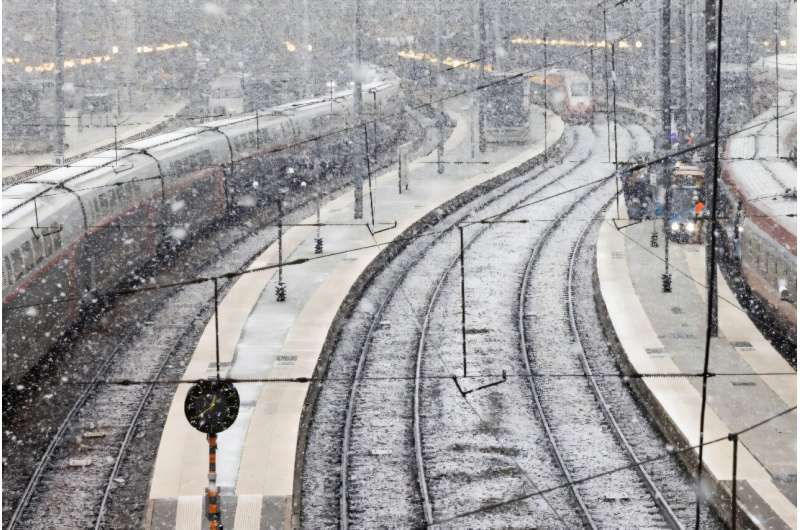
665,333
260,338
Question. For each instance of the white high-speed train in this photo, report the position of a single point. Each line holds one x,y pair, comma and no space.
77,232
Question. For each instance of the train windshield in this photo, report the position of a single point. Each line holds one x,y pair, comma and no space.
682,199
581,88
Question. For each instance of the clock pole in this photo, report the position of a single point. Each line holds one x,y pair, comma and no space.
212,492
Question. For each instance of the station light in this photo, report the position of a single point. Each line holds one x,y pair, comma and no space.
675,227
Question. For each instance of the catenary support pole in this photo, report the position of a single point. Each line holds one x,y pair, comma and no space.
711,91
712,286
664,140
482,75
216,324
682,114
463,302
214,514
369,176
59,129
777,90
357,177
735,439
544,97
614,105
605,61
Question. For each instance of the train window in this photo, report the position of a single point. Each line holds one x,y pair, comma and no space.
56,235
103,201
38,249
47,241
28,258
16,263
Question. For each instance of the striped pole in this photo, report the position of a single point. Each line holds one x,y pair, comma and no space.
212,492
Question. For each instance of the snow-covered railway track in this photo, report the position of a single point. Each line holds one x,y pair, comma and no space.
365,348
415,450
660,500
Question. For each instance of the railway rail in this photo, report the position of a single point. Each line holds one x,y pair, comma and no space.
169,327
413,455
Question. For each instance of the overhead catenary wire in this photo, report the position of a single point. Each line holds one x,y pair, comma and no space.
474,376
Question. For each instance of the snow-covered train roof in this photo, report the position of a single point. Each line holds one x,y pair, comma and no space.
18,194
766,182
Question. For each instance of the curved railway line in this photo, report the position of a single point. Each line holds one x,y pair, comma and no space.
111,414
388,375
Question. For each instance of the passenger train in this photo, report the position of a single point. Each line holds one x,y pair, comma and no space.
77,232
568,93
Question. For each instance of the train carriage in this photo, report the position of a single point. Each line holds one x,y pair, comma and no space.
74,233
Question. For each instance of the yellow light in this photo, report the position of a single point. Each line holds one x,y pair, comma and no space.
290,46
783,43
69,64
29,68
183,44
623,44
766,43
115,49
638,44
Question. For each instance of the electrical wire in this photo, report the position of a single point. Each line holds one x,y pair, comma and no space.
433,377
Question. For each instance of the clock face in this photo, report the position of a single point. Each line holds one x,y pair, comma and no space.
211,406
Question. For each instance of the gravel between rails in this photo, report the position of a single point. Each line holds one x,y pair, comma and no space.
490,446
323,454
480,450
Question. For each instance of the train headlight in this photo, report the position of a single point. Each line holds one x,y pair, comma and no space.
690,227
675,227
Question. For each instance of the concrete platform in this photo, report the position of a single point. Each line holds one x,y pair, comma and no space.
665,333
261,338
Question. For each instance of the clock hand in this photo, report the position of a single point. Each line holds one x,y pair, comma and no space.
213,403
